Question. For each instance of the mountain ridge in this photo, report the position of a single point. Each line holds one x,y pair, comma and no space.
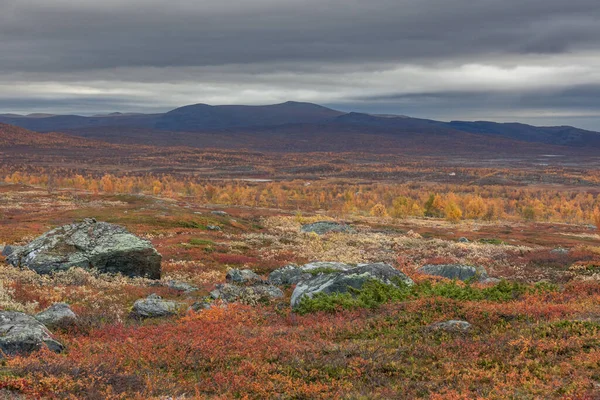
314,118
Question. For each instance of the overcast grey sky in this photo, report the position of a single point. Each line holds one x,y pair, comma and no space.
534,61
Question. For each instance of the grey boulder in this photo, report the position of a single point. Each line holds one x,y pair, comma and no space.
219,213
155,306
344,281
454,271
56,313
242,276
105,247
21,334
292,274
323,227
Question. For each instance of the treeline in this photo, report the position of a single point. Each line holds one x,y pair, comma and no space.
453,202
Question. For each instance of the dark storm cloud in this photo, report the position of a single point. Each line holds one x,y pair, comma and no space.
146,54
46,35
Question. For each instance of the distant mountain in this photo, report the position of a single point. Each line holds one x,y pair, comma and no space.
203,125
204,117
56,123
558,135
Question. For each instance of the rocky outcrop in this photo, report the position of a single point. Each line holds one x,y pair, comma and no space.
324,227
21,334
292,274
455,271
343,281
155,306
89,244
56,313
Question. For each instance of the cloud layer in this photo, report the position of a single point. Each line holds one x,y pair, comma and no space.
528,60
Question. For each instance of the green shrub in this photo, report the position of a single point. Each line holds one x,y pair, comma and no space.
191,224
375,293
201,242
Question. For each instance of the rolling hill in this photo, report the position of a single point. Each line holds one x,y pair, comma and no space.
303,127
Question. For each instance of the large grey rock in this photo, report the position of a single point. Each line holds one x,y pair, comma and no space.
454,326
343,281
242,276
155,306
90,245
455,271
292,274
21,334
324,227
246,294
56,313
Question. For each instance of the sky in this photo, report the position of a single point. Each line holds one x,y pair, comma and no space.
533,61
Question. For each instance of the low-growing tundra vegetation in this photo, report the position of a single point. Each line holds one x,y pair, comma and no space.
532,333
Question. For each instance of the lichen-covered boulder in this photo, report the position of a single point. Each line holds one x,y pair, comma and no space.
105,247
292,274
56,313
246,294
21,334
242,276
343,281
455,271
155,306
323,227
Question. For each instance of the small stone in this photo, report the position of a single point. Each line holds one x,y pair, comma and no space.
219,213
463,240
154,306
181,286
203,304
454,326
213,228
